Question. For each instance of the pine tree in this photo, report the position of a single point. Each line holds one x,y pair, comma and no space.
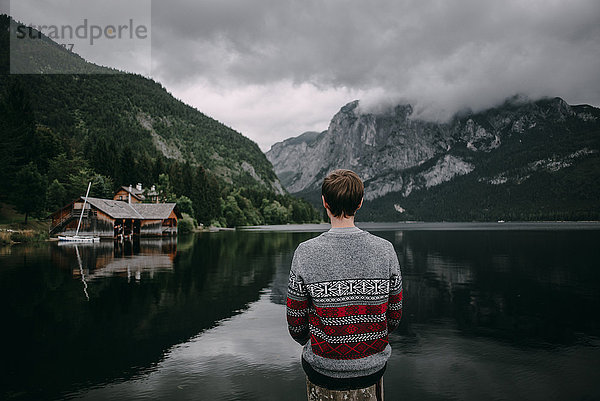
29,191
56,196
18,125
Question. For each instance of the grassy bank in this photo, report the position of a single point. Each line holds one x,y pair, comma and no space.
13,228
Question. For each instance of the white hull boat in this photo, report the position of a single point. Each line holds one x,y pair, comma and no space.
78,238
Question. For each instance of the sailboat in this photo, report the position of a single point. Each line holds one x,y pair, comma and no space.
77,237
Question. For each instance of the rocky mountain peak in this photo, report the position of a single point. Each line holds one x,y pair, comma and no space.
395,153
350,108
403,111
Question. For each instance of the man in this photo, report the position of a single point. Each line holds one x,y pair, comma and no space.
344,296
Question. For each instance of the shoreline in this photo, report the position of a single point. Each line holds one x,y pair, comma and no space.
10,236
11,233
435,226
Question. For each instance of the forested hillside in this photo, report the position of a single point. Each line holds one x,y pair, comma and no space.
59,131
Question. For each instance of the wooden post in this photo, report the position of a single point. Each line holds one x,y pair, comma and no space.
316,393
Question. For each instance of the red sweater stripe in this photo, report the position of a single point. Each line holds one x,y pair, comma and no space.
352,310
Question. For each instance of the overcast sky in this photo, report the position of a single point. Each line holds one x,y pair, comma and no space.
273,69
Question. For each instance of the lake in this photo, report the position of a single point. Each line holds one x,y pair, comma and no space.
491,311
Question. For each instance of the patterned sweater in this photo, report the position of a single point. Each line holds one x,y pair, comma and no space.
344,297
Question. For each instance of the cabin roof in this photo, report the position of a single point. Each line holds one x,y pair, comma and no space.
114,208
123,210
155,210
134,192
139,194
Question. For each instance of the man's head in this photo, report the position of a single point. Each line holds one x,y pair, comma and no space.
342,192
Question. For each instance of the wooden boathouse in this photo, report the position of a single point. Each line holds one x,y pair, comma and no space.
110,218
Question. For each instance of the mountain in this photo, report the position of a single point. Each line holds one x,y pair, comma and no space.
125,128
108,104
520,160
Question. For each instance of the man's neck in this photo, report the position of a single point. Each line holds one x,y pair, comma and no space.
342,222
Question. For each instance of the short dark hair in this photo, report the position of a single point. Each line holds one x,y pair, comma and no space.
343,191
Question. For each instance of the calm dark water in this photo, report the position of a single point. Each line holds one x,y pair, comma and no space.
511,314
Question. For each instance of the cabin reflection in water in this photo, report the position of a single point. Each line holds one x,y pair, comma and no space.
133,260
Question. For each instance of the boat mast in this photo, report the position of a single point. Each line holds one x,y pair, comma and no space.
83,208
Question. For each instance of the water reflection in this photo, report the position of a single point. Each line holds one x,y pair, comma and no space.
204,315
144,298
87,296
130,259
525,287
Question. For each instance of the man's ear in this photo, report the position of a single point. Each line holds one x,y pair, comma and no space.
361,202
325,205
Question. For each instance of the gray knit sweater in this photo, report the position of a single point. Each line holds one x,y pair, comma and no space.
344,297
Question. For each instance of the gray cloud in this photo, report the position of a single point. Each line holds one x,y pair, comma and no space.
442,56
265,56
389,44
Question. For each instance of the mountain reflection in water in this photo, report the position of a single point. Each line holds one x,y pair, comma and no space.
488,314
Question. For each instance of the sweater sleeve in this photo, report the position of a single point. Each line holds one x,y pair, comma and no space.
394,311
297,305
